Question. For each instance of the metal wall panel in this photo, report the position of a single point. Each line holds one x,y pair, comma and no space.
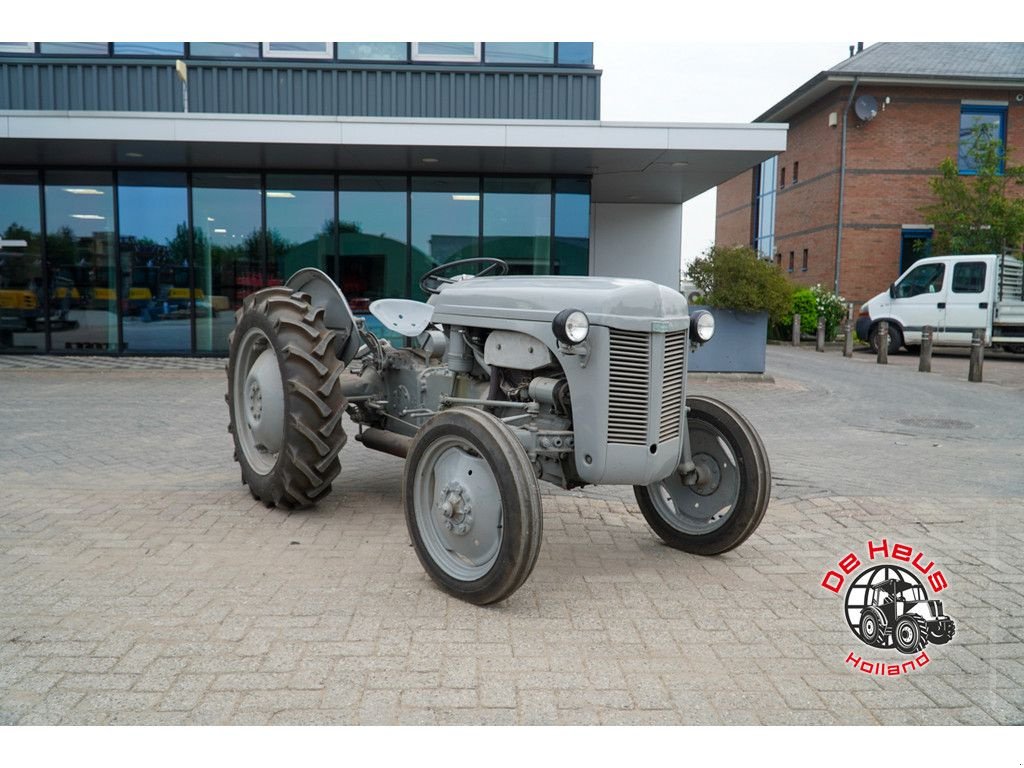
302,89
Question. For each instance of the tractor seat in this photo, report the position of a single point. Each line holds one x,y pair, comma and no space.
404,316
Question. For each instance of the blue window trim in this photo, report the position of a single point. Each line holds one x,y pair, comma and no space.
984,109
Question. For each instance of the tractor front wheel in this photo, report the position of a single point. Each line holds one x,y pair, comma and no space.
472,505
727,502
910,633
941,636
284,399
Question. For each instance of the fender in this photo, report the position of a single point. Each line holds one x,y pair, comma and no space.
337,315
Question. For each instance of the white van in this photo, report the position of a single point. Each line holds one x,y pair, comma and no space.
954,295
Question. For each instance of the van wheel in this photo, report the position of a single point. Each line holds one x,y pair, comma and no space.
895,339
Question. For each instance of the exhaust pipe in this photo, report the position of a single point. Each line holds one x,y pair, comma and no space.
385,442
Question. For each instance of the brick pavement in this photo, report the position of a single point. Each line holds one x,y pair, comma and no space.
140,583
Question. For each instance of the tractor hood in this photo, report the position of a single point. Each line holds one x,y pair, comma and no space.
616,302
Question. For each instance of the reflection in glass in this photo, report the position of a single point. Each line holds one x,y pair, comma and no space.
225,50
149,49
572,227
446,51
575,53
22,308
985,123
519,53
77,49
81,258
445,223
373,51
374,252
155,261
517,224
300,224
226,215
299,50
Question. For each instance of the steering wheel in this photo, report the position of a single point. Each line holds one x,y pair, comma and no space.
432,280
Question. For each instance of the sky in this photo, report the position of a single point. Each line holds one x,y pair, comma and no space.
694,82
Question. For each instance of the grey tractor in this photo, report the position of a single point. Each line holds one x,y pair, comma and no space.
901,613
495,383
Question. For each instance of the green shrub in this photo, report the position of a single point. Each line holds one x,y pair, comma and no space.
736,278
805,304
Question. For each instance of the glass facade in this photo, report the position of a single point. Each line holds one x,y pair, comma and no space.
373,51
979,122
517,224
225,50
519,53
576,53
764,237
189,247
155,262
22,294
75,49
82,262
149,49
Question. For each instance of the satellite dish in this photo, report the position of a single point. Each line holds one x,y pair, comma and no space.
866,108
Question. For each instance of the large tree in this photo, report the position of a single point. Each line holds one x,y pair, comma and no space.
977,213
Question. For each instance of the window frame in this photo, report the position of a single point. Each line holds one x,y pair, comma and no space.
984,108
24,48
415,55
957,267
326,55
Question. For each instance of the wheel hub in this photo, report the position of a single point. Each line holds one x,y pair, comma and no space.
455,509
709,474
255,401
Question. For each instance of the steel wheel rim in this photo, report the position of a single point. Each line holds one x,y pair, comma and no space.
258,401
701,509
869,627
906,633
458,508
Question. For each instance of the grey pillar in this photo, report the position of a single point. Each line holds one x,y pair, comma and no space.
977,354
883,342
796,330
925,363
819,342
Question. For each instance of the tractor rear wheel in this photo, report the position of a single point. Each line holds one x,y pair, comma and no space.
284,399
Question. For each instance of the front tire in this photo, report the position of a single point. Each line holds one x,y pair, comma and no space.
941,637
872,630
910,634
472,505
284,398
728,502
895,339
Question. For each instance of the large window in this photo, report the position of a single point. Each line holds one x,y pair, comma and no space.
225,50
519,53
373,229
22,292
75,49
149,49
298,50
979,122
576,53
764,237
80,251
17,47
156,262
226,215
373,51
517,224
446,51
300,224
572,227
445,222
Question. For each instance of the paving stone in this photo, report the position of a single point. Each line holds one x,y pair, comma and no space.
140,583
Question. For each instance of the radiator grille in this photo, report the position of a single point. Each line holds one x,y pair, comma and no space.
672,386
629,387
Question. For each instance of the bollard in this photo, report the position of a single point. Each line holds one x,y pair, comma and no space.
925,363
977,354
883,343
796,330
819,343
848,338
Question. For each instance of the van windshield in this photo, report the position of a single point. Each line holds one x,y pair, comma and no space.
926,278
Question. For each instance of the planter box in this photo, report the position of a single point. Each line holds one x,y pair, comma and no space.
738,345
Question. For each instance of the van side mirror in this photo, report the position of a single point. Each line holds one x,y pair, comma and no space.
892,290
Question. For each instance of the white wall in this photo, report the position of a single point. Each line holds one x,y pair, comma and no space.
641,240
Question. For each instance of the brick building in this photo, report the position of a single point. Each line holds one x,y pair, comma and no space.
854,224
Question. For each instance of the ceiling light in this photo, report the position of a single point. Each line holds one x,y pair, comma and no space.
210,218
90,216
83,191
220,231
680,164
466,197
287,195
430,160
133,154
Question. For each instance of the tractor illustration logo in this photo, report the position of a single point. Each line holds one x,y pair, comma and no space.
888,607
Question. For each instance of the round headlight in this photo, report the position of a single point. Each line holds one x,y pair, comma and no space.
571,326
702,325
